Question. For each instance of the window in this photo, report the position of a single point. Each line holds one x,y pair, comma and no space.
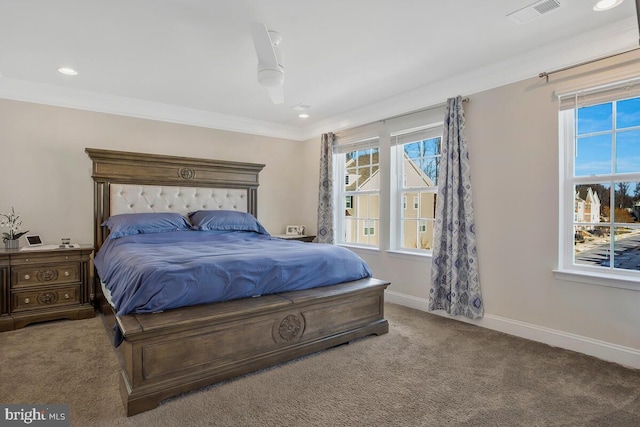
417,159
361,195
600,231
386,172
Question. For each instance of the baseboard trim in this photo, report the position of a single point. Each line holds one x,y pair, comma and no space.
626,356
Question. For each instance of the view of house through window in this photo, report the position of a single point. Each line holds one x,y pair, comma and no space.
361,210
605,178
420,163
406,179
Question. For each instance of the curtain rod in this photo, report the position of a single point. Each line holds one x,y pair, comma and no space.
546,74
440,105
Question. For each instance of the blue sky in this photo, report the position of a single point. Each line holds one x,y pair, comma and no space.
595,138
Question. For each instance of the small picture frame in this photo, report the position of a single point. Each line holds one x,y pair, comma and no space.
293,230
34,240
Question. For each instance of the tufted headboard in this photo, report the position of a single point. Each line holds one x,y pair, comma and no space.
130,198
126,182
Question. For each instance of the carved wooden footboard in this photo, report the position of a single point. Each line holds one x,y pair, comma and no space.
168,353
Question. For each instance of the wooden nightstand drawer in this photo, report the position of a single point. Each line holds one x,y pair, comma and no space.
33,257
41,298
45,275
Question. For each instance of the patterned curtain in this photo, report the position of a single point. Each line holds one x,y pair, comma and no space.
325,197
454,267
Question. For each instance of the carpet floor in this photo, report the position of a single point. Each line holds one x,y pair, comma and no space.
427,371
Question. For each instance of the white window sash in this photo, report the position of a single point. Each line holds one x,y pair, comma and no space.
341,194
567,266
402,189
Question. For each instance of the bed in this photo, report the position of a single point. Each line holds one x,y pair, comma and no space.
182,348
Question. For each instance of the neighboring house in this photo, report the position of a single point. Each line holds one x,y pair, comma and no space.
418,209
587,206
362,211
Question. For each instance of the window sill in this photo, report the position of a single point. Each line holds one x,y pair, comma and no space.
371,249
601,279
409,254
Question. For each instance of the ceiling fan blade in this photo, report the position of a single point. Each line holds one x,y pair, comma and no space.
270,69
267,58
276,93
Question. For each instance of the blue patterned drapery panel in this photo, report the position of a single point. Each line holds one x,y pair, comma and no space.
455,285
325,195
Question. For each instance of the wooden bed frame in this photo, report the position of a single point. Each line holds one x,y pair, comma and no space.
164,354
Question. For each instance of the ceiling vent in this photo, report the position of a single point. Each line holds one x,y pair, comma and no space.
534,10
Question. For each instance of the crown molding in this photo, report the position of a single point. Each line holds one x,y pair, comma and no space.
20,90
600,42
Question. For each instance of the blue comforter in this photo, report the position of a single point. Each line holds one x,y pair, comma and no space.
148,273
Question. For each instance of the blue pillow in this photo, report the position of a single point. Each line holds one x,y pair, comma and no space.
145,223
225,220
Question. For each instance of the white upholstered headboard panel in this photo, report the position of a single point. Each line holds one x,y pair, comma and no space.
129,198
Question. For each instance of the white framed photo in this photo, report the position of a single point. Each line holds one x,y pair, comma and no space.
34,240
292,230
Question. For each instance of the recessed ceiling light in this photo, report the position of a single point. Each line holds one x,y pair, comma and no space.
303,115
606,5
68,71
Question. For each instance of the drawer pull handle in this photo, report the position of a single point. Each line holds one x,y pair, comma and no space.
27,300
66,296
67,274
66,257
27,277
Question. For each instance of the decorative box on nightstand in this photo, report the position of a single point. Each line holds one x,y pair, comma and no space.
48,284
300,237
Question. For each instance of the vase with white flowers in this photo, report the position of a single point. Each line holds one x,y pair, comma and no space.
13,222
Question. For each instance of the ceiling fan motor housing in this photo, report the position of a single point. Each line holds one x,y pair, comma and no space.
270,78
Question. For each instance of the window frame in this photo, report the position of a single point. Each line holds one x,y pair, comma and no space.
568,268
400,191
380,134
341,194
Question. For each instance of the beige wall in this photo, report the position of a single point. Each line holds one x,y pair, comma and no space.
513,139
46,175
513,134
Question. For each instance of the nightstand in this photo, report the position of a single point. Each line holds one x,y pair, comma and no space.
299,237
40,285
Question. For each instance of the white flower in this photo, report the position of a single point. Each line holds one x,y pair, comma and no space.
13,222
